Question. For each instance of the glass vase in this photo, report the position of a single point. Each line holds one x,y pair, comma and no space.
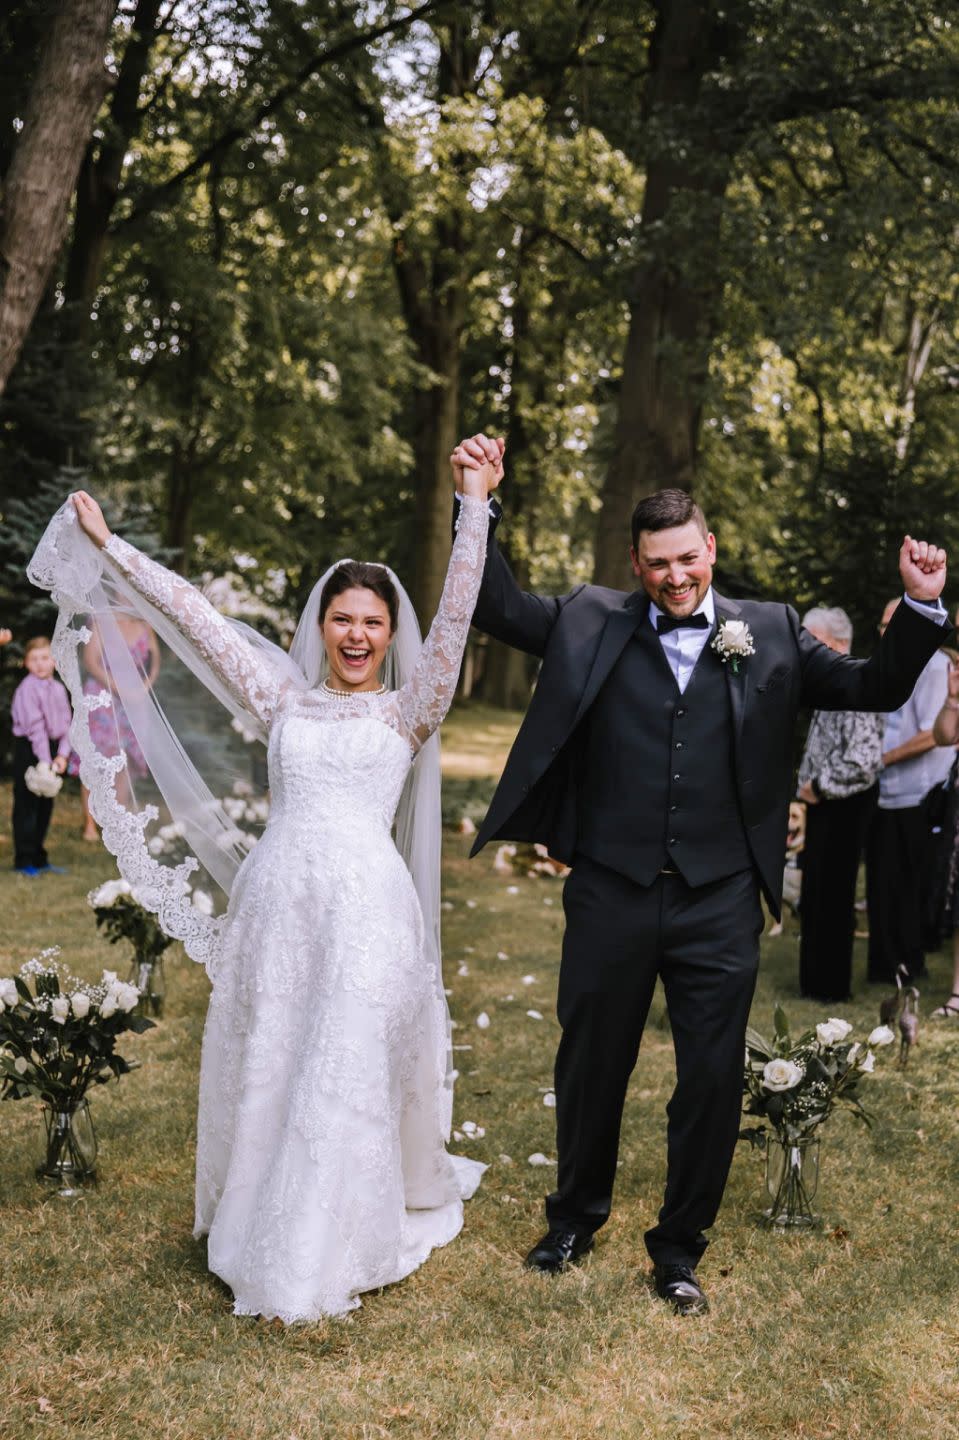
792,1178
149,978
69,1148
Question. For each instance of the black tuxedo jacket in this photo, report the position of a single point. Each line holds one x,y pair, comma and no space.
580,636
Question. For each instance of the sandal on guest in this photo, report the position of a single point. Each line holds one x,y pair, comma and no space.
949,1011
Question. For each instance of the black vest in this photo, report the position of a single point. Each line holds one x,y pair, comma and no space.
657,772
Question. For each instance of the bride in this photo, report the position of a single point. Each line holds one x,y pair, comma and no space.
326,1073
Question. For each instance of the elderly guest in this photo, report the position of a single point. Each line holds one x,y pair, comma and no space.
897,850
838,778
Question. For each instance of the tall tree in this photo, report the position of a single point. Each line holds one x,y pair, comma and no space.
68,88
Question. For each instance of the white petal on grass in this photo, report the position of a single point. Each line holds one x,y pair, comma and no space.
512,889
534,1015
538,1158
529,980
549,1100
505,1159
501,955
471,904
482,1020
548,900
464,969
446,905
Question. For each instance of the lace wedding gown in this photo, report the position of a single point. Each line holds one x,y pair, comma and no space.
324,1099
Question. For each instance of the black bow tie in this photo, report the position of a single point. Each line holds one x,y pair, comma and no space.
665,623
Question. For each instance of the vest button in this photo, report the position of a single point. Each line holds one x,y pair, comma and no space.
679,744
680,714
673,808
677,777
673,840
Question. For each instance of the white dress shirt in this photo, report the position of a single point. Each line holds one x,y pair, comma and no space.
684,645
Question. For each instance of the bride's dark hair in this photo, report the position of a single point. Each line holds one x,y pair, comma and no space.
359,575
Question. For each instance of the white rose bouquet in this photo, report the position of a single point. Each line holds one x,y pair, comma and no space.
59,1038
795,1085
120,916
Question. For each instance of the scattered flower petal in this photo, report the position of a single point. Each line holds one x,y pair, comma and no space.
482,1020
534,1015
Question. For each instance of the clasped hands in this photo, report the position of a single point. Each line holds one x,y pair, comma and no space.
478,465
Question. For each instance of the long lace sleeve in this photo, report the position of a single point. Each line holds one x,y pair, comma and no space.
427,696
250,678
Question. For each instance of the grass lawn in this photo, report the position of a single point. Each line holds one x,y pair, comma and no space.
111,1326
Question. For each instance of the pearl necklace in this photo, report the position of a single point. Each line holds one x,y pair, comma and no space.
348,694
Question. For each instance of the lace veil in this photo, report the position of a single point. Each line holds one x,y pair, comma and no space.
179,785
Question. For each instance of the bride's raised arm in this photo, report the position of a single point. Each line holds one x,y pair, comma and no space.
247,674
427,696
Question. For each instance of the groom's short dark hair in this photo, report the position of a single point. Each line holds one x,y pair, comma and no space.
666,509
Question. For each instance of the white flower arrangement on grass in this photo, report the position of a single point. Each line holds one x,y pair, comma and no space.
795,1085
58,1038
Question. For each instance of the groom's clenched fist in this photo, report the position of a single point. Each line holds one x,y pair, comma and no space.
923,569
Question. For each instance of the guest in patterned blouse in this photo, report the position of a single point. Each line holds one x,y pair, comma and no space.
838,779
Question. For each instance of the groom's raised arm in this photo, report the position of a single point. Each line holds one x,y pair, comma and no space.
917,629
515,616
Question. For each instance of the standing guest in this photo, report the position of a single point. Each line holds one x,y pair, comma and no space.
110,728
946,732
41,718
838,778
897,846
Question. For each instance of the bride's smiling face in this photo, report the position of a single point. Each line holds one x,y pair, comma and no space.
356,633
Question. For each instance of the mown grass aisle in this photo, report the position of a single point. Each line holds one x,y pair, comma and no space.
112,1327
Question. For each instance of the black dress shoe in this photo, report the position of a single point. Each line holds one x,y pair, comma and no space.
678,1285
557,1250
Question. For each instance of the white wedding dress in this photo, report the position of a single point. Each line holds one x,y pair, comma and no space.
324,1090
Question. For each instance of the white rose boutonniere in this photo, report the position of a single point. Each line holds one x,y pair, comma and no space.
733,642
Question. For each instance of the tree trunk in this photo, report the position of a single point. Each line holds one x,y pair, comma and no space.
676,287
98,187
436,417
70,84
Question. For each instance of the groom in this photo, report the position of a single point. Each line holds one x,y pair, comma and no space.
655,758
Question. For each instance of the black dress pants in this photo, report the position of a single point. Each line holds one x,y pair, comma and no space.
835,838
895,856
704,943
31,813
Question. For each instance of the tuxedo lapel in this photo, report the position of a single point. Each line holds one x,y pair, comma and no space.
736,681
620,625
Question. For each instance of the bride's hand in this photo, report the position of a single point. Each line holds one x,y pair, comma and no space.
91,518
478,465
